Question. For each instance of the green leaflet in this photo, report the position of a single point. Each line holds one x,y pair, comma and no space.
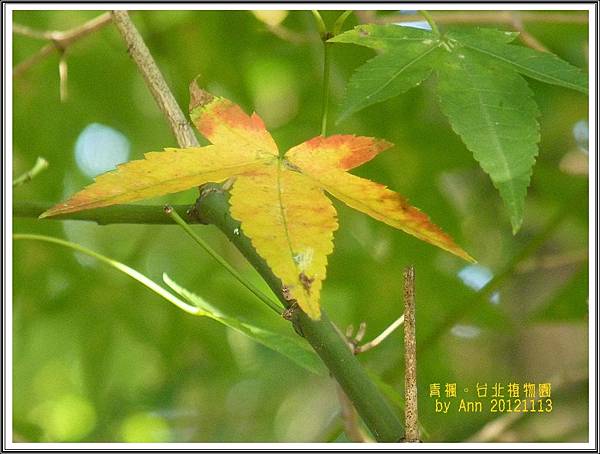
543,66
488,104
494,113
410,54
382,37
388,75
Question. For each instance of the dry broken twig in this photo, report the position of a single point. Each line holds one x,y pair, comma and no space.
60,41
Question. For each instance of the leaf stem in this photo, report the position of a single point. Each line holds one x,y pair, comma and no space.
325,35
39,166
325,93
276,307
430,21
320,22
339,23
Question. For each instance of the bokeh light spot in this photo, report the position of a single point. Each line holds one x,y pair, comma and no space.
476,277
466,331
581,134
145,428
100,148
69,418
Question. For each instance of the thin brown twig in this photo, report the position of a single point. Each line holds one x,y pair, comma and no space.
24,30
411,414
154,80
527,38
59,41
290,36
484,17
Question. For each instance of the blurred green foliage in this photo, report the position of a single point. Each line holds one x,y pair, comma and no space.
99,358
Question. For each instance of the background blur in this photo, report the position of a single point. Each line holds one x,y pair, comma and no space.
97,357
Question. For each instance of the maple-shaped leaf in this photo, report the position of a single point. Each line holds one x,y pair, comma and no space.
481,91
279,198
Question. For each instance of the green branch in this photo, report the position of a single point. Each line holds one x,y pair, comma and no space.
118,214
213,208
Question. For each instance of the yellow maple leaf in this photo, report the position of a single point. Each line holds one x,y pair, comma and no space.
279,198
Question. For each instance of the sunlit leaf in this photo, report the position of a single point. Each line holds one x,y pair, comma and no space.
278,198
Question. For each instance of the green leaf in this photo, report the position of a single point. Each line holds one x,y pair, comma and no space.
543,66
489,105
406,63
494,113
386,76
383,37
286,345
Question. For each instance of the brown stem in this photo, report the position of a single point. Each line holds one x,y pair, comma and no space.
525,36
411,414
154,80
497,17
59,41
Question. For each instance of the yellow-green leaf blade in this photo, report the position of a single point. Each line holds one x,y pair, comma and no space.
327,167
339,151
225,124
290,223
387,206
160,173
